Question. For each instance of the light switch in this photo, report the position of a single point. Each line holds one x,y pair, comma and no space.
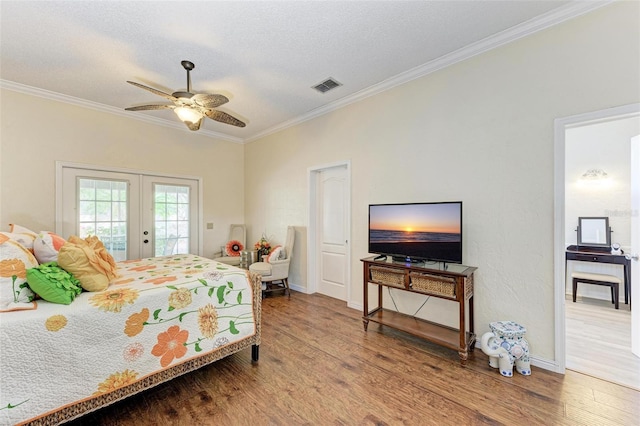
209,225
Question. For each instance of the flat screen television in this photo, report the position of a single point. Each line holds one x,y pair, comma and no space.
415,232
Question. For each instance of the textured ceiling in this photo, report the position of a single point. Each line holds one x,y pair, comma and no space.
264,56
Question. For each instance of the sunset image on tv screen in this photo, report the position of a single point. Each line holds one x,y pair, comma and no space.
426,230
415,222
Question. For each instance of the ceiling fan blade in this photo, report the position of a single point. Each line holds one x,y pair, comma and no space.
154,91
209,101
223,117
149,107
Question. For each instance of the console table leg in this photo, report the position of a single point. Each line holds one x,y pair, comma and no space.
365,322
464,355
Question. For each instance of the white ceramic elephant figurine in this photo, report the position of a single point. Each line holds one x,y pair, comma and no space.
506,346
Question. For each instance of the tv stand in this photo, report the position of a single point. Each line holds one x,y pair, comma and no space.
454,283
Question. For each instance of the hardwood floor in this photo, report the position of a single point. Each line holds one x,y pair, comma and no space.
598,341
318,367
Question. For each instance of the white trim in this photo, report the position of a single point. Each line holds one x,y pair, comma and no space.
546,364
312,173
542,22
560,126
47,94
60,164
357,306
554,17
296,287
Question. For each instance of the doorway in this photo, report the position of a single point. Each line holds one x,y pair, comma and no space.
135,214
578,196
329,230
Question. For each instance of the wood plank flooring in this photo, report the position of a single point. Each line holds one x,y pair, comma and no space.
598,341
318,367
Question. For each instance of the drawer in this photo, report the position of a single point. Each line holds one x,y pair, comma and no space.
436,285
586,257
387,276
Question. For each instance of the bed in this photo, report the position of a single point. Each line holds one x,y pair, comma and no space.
160,318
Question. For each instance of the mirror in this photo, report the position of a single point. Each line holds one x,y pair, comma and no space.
594,231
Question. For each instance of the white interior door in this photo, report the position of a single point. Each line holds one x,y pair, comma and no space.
333,232
635,245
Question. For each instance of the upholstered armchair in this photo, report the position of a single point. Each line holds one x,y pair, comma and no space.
236,233
274,269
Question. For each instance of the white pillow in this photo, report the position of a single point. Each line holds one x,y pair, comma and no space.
276,254
15,259
46,247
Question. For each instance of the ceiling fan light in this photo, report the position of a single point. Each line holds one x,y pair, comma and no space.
187,114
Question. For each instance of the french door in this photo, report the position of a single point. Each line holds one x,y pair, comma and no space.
135,215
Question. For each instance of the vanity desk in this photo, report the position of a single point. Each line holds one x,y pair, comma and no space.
602,255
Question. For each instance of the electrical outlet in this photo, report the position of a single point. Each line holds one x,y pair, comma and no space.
209,225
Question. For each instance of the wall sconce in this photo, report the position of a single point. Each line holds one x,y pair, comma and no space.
594,174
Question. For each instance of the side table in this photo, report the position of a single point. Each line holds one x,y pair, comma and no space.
247,257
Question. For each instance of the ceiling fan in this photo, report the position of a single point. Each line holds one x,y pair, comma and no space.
189,107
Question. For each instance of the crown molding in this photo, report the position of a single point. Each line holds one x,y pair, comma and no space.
47,94
550,19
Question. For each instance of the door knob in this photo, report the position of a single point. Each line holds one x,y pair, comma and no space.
146,232
146,241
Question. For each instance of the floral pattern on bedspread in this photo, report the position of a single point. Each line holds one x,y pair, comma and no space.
158,313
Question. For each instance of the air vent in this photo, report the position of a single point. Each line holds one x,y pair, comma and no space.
327,85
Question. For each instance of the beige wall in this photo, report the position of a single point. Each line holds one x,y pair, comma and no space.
35,132
480,131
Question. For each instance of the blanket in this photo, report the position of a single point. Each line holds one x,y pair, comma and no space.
159,313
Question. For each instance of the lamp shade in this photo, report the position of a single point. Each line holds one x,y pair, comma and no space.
187,114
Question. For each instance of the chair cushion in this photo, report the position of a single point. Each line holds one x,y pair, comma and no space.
262,268
596,277
228,260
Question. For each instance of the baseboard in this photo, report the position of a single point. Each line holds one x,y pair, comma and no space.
299,288
356,306
546,364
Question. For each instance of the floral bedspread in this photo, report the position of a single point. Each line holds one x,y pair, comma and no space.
158,313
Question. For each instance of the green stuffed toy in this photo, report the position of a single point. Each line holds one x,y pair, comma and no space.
53,283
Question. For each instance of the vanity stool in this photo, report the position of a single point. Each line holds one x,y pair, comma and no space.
598,279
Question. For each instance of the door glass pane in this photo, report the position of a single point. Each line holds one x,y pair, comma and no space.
102,211
171,224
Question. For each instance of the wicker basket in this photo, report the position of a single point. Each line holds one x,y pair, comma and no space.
468,287
387,276
433,284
